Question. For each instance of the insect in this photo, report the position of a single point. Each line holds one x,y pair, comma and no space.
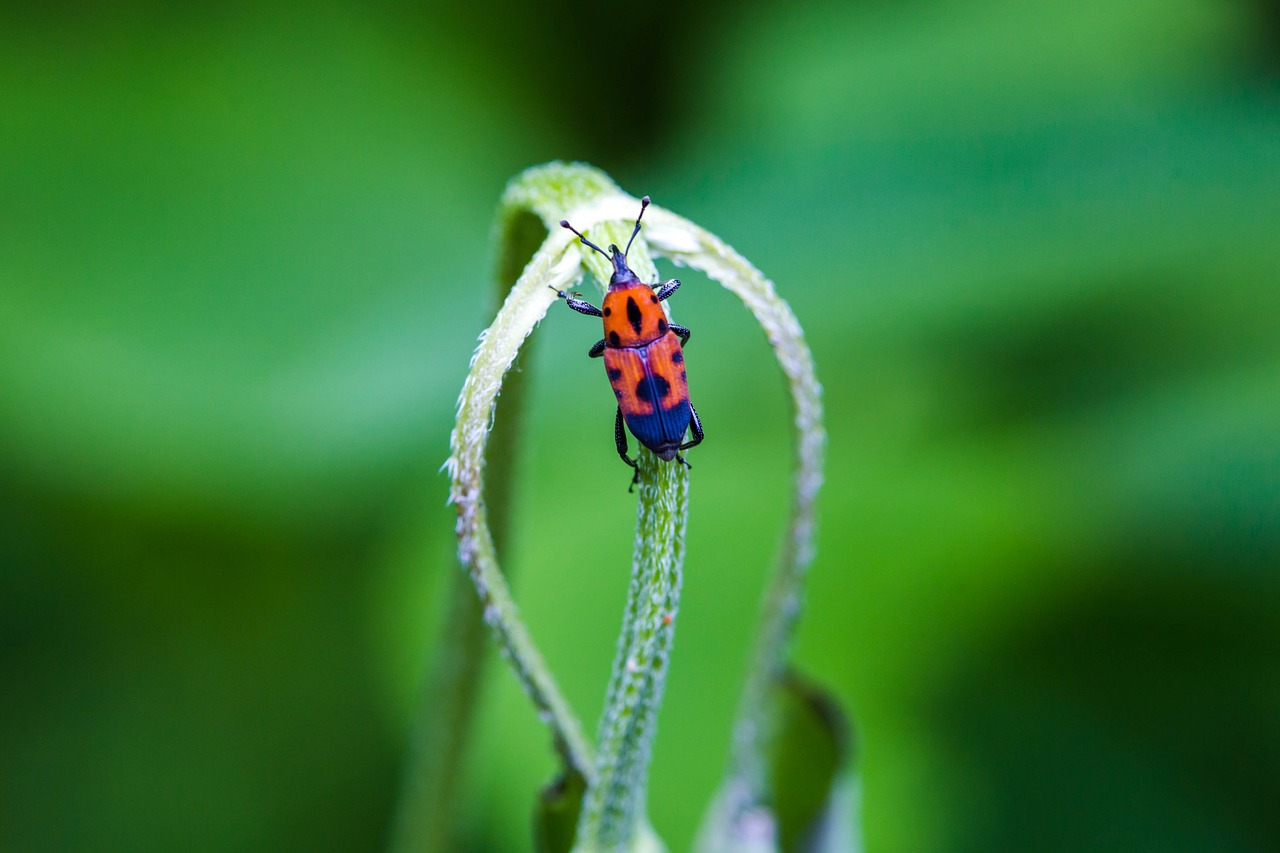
643,357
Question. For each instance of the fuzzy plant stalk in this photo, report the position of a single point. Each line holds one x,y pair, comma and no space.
744,805
612,812
615,776
427,800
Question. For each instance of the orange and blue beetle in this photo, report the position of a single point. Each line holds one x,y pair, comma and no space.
643,357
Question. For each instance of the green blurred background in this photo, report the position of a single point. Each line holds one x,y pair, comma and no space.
244,255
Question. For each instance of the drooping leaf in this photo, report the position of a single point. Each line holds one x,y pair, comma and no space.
813,787
811,776
555,816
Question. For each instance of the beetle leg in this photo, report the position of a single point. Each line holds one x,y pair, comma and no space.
620,439
667,288
695,424
681,332
580,305
597,349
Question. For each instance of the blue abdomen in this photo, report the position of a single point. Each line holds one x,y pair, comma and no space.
663,430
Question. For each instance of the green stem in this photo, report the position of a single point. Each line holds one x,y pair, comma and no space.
552,267
613,810
426,806
545,193
687,244
423,819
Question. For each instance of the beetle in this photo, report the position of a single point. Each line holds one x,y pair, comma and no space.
643,358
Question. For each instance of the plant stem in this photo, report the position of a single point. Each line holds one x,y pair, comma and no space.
426,806
545,193
614,808
687,244
613,811
526,304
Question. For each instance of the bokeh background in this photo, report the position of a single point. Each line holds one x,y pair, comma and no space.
244,256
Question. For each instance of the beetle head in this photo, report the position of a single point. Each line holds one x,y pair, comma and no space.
622,274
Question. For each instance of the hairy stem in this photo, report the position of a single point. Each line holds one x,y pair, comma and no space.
613,811
687,244
426,805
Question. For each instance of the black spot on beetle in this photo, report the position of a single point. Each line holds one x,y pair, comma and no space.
614,340
634,317
653,297
660,384
614,374
607,311
677,357
617,393
662,326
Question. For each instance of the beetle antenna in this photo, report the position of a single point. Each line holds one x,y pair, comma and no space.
644,202
564,223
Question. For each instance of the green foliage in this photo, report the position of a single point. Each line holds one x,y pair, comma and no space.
612,815
808,756
1033,249
555,820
